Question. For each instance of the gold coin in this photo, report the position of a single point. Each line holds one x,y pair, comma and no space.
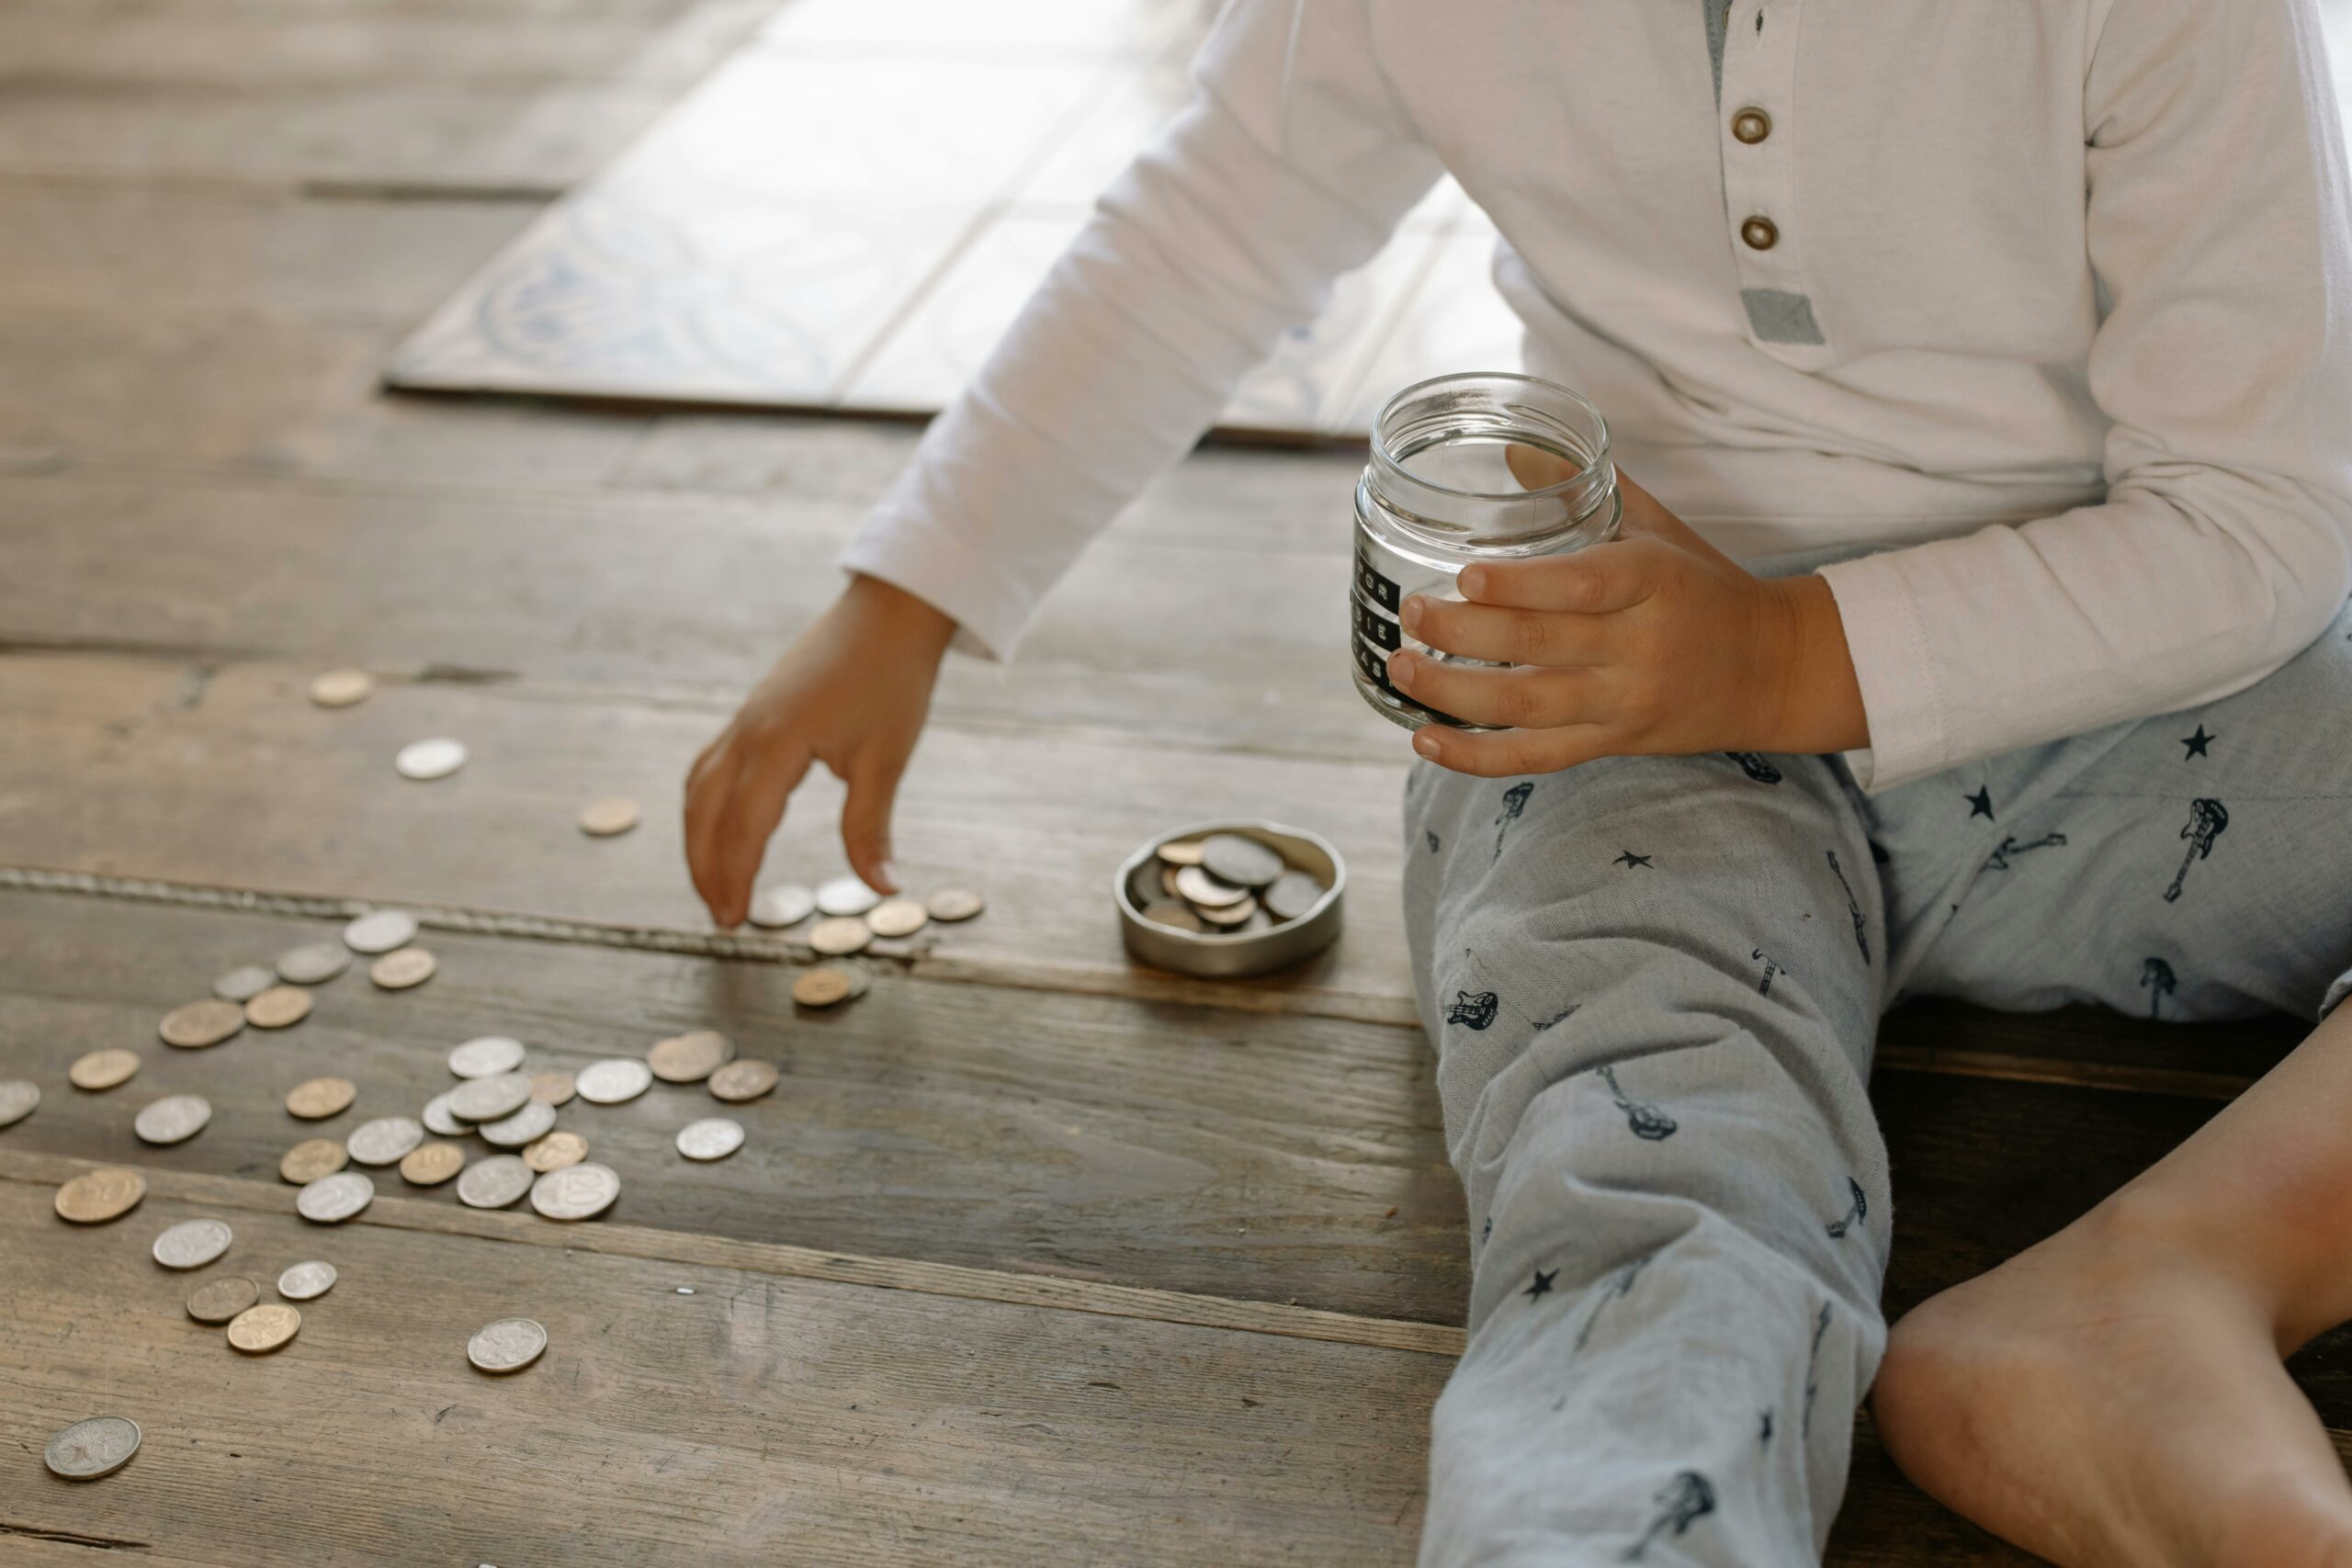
1227,915
399,970
602,818
264,1327
690,1058
340,688
278,1007
430,1165
556,1150
955,904
555,1087
312,1158
840,936
104,1069
315,1100
95,1196
898,917
821,987
194,1025
742,1079
1181,851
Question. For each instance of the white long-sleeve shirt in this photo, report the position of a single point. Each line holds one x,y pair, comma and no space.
2058,298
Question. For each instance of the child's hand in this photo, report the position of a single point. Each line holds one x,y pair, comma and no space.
851,693
1656,643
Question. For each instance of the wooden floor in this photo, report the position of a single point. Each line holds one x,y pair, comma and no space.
1033,1258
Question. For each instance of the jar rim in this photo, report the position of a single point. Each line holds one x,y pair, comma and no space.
1599,458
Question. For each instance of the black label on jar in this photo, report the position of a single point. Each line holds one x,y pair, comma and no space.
1380,628
1380,590
1375,665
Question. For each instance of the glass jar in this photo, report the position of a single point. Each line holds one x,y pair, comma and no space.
1484,467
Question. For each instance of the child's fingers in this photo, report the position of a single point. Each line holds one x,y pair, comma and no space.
1505,635
708,785
866,823
1502,753
1527,698
1593,581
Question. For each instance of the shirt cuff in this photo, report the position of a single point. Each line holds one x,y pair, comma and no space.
988,608
1900,698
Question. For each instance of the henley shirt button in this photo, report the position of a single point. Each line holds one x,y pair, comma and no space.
1751,125
1760,233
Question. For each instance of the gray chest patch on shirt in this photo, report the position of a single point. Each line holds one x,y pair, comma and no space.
1718,21
1776,315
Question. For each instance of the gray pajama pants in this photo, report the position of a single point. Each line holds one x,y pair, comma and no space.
1653,984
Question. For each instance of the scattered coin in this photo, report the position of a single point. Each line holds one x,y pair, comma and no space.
576,1193
1196,886
221,1298
526,1127
384,1140
279,1007
786,904
87,1450
690,1057
315,1100
330,1200
554,1086
401,968
898,917
1180,851
194,1025
96,1196
313,963
742,1079
954,904
340,688
487,1100
822,987
1293,895
1228,917
379,931
430,1165
845,896
714,1137
437,1119
17,1098
312,1158
507,1345
486,1058
602,818
258,1330
494,1182
192,1244
301,1282
244,982
104,1069
555,1151
174,1119
434,759
1175,915
1245,862
840,936
610,1083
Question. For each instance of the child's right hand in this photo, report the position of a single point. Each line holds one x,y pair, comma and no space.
850,693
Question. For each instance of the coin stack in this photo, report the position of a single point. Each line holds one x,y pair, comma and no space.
854,914
1224,884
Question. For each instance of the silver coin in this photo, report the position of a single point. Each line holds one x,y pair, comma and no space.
1196,884
1246,863
494,1182
576,1193
313,963
527,1125
1293,894
379,931
507,1345
714,1137
330,1200
434,759
436,1118
609,1083
17,1098
87,1450
174,1119
192,1244
845,896
383,1141
244,982
487,1100
301,1282
486,1058
786,904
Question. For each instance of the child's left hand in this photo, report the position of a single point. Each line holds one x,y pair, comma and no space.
1656,643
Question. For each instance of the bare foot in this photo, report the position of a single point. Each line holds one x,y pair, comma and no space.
2105,1401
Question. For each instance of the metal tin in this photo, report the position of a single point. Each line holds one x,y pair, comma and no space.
1231,955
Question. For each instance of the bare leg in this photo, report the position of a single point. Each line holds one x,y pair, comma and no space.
2114,1397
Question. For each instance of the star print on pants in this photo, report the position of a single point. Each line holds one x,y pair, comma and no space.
2197,742
1630,858
1980,804
1543,1286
